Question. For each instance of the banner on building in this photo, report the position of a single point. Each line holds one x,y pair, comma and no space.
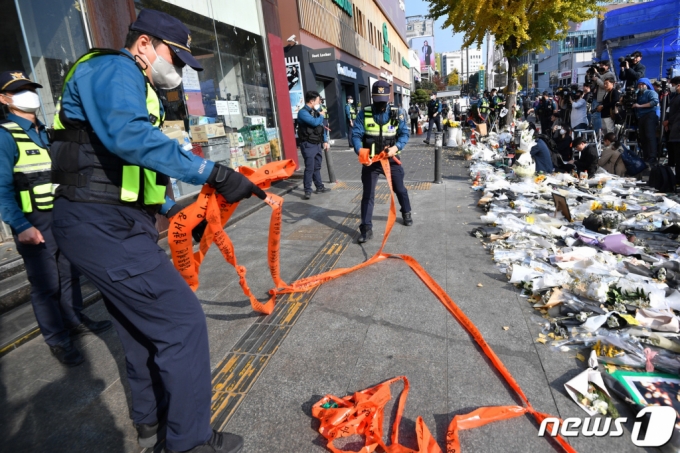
295,90
424,47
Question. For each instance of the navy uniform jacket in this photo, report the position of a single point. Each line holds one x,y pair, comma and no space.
403,131
305,118
9,154
109,92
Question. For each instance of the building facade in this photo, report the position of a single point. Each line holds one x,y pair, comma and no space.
451,61
341,50
240,49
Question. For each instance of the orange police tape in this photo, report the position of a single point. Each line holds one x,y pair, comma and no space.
362,412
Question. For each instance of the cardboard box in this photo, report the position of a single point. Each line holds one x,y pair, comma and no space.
258,151
205,131
254,120
216,130
275,149
173,124
236,139
198,133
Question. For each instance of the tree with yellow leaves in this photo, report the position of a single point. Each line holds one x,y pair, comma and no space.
518,26
454,78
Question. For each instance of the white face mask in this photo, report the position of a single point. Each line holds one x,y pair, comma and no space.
317,106
166,76
26,101
433,97
350,102
562,131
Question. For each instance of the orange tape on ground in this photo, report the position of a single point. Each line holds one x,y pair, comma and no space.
361,413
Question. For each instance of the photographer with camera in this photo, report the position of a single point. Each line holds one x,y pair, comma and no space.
631,68
607,109
579,113
544,112
672,125
647,118
599,77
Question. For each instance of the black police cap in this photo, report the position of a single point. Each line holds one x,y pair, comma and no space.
13,80
381,91
170,30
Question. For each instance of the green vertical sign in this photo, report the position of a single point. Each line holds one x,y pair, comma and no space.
386,44
482,80
345,5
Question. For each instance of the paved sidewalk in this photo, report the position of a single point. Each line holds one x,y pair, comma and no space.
349,334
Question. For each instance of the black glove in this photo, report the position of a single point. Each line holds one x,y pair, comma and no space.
197,232
232,185
173,210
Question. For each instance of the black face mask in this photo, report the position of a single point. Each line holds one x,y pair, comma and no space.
380,106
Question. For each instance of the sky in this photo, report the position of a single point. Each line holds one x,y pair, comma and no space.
444,40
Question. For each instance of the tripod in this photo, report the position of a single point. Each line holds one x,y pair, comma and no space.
665,93
626,129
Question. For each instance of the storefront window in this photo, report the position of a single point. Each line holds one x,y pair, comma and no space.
43,38
227,108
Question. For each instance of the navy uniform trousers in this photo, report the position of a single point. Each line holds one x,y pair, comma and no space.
369,178
55,288
312,153
158,318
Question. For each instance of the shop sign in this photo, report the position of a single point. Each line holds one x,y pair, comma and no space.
397,89
405,63
387,76
386,44
345,5
319,55
346,71
407,92
565,74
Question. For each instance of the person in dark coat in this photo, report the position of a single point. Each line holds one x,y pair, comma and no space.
672,124
589,156
562,137
541,155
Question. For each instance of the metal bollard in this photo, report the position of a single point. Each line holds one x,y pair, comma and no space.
329,164
438,157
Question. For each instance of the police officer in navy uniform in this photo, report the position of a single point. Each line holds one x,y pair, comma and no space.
350,116
434,111
112,163
380,127
313,137
26,202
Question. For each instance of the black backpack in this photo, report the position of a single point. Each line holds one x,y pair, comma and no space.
662,178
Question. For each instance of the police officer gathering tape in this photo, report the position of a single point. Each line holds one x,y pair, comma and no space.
361,413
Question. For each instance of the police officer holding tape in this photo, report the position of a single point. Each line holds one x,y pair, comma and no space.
26,202
112,163
379,127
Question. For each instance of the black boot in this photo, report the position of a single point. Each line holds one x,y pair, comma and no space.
218,443
307,196
408,221
67,354
323,190
89,326
366,234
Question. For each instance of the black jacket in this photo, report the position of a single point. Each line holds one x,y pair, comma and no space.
674,119
609,101
588,160
632,74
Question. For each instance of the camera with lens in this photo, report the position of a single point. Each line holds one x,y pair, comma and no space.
628,98
627,58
